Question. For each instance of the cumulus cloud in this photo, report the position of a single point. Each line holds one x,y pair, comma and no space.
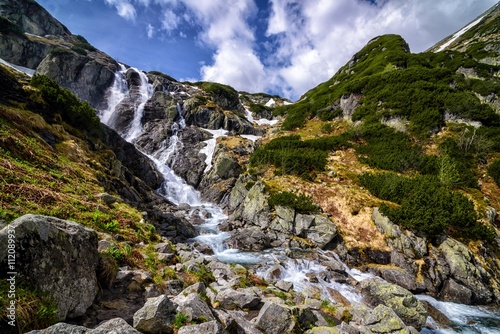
225,27
236,64
124,8
314,38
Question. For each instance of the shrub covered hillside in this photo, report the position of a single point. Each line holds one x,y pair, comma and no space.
416,134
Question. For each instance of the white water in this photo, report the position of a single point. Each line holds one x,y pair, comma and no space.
465,318
176,190
115,94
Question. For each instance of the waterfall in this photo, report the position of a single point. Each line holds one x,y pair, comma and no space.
115,94
146,91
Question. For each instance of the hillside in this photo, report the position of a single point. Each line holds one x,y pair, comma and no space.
145,204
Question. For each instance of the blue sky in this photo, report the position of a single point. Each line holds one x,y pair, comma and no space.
277,46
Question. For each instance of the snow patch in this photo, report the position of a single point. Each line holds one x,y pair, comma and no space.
18,68
209,149
459,33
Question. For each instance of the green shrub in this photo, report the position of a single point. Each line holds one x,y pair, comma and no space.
301,203
494,171
61,101
425,206
60,51
385,148
291,156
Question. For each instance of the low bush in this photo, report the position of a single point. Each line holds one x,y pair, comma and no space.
494,171
301,203
426,207
60,101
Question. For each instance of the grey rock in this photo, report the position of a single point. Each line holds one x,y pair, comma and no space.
107,198
255,206
231,299
49,250
275,319
241,325
211,327
284,285
62,328
455,292
195,308
400,241
251,239
321,232
384,320
88,77
402,301
156,316
466,270
114,326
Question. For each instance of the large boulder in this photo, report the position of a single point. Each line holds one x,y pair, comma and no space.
402,301
212,327
231,299
156,316
400,241
55,256
471,282
383,319
193,307
255,206
275,319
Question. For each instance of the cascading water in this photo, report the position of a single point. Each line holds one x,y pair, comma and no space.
115,94
297,271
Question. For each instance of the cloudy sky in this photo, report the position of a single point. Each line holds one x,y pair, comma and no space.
281,47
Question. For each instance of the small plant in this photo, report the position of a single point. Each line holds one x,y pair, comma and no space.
107,269
180,320
112,226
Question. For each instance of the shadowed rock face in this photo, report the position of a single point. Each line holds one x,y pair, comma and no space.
88,77
32,18
56,256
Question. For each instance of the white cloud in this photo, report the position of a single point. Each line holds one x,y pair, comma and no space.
314,38
237,65
150,31
124,8
305,42
169,21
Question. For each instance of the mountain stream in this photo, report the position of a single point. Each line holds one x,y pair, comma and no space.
465,318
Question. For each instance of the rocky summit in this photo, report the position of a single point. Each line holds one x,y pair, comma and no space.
135,203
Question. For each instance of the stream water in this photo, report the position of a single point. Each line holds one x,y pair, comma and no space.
465,319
